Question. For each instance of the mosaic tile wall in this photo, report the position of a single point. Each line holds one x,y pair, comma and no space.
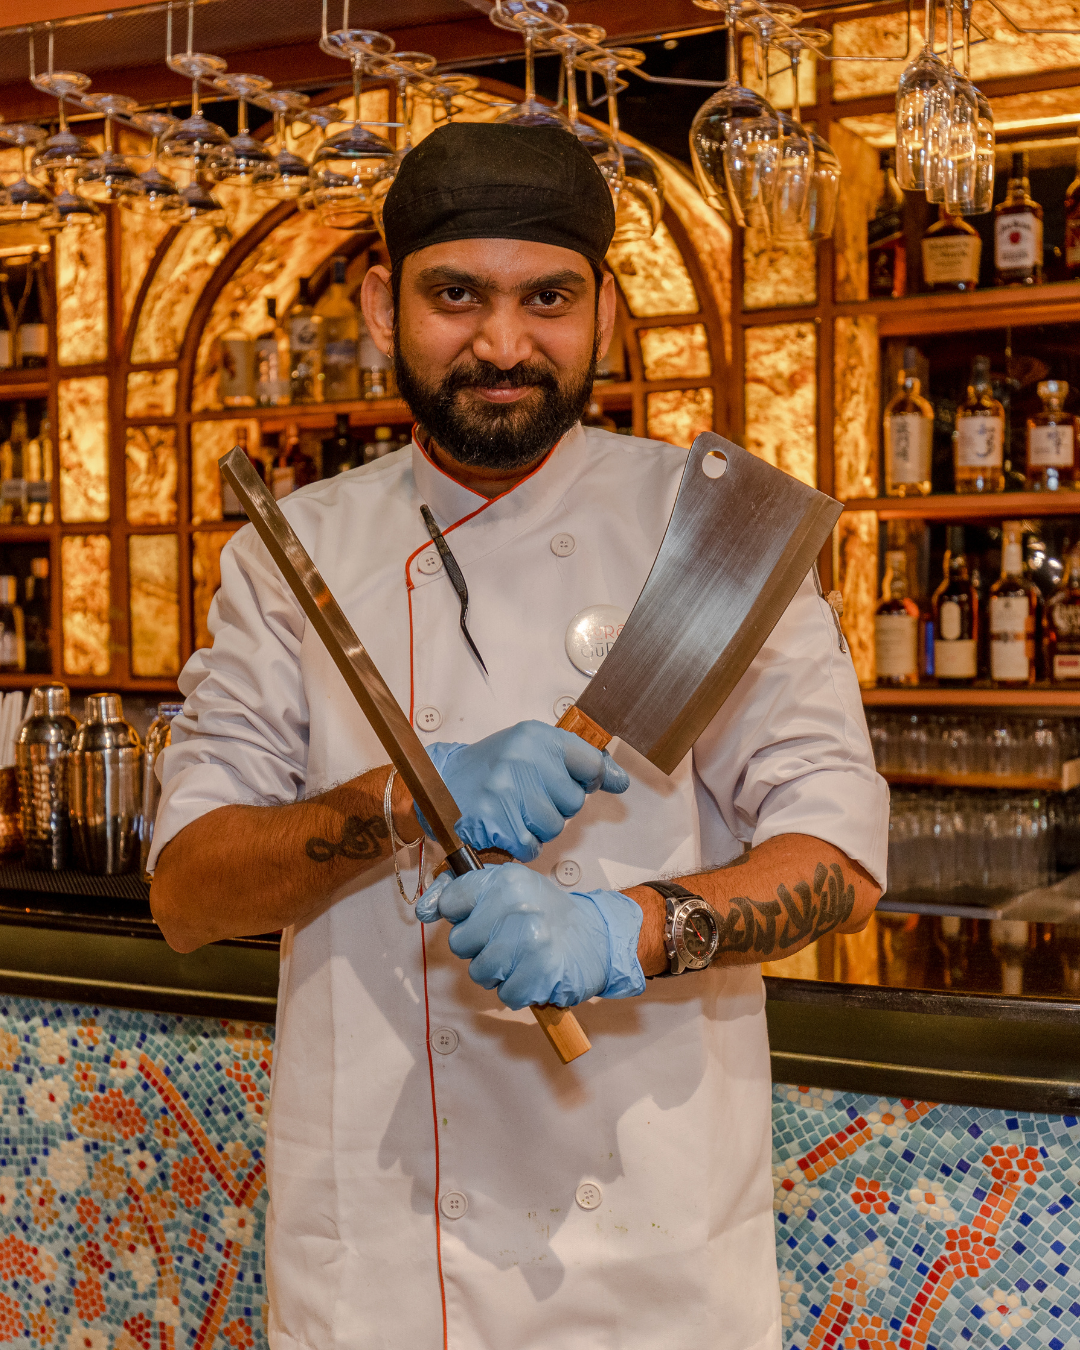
132,1200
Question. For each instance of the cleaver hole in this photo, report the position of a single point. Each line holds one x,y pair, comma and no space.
714,465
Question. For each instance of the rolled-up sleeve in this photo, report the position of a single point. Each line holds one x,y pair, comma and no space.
243,734
789,751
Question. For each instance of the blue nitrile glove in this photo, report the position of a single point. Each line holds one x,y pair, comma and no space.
533,941
518,787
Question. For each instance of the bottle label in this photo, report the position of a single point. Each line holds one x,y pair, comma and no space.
1051,446
954,660
950,620
1067,666
236,368
9,647
951,258
980,442
5,349
1009,618
303,335
371,358
910,436
282,481
340,354
1072,243
33,339
1018,242
896,645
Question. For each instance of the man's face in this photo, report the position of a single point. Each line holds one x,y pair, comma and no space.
495,345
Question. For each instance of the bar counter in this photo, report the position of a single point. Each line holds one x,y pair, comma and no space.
925,1151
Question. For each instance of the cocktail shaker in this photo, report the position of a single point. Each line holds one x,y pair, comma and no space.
41,760
157,738
106,789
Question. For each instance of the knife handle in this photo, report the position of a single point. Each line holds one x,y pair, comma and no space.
581,724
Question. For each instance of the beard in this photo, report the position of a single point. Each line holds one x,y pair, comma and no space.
491,435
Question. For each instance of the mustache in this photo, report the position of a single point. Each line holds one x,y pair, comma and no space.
477,374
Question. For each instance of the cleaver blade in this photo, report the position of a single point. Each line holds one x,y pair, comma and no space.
741,539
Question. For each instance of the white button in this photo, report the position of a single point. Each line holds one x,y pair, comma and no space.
429,562
444,1040
588,1195
428,719
567,872
561,705
592,635
454,1204
563,545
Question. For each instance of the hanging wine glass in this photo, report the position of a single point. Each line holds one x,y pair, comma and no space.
24,200
153,192
110,177
795,167
402,67
448,87
639,205
288,176
962,137
921,100
735,138
251,159
200,205
63,158
346,165
603,149
985,140
824,194
532,19
196,144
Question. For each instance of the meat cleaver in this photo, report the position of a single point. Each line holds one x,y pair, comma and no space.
741,539
371,691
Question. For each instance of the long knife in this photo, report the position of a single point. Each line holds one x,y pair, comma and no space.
379,706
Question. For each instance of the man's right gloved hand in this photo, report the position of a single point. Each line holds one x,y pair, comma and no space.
517,788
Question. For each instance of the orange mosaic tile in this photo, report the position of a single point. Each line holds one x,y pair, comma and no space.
869,1197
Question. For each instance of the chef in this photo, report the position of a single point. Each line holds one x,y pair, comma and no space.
436,1177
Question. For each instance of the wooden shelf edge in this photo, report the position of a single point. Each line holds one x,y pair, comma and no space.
1015,782
956,506
929,697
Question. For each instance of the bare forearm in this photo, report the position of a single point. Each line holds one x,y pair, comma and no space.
772,901
254,869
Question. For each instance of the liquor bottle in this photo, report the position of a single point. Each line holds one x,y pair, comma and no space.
1061,627
292,468
13,498
1044,964
12,631
909,434
1014,612
594,416
339,335
951,253
272,361
230,502
33,333
383,444
886,251
375,373
302,326
896,626
1018,231
7,356
236,371
980,435
1051,441
37,618
38,469
956,617
1072,224
340,451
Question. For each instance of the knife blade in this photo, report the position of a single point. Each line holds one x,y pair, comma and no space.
367,686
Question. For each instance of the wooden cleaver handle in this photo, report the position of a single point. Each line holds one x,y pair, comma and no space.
581,724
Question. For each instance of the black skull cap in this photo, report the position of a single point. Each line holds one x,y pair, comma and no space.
490,180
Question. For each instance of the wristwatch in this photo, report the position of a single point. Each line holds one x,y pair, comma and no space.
691,930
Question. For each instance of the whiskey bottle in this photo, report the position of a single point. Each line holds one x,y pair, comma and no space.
951,253
886,251
37,618
339,334
956,617
7,356
13,496
12,631
1014,614
1061,628
236,370
38,469
375,373
302,326
980,435
896,626
1051,441
32,337
292,468
230,502
1018,231
909,434
340,451
1072,224
272,361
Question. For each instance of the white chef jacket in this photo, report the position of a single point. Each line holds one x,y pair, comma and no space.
371,1126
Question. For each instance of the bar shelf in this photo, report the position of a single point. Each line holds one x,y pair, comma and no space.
929,696
950,506
1065,781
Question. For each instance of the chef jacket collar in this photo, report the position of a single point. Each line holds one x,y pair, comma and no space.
479,523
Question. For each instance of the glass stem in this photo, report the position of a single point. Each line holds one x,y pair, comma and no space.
241,117
530,73
108,135
196,102
611,77
155,142
356,86
405,138
63,115
965,15
732,56
571,84
949,32
796,56
931,24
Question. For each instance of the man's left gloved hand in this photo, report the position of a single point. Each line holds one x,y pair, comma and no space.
533,941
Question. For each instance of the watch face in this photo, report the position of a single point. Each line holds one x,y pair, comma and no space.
696,935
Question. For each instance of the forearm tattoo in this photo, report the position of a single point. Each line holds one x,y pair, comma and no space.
771,927
360,839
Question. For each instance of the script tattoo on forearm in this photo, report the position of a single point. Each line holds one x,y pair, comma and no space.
768,927
360,839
